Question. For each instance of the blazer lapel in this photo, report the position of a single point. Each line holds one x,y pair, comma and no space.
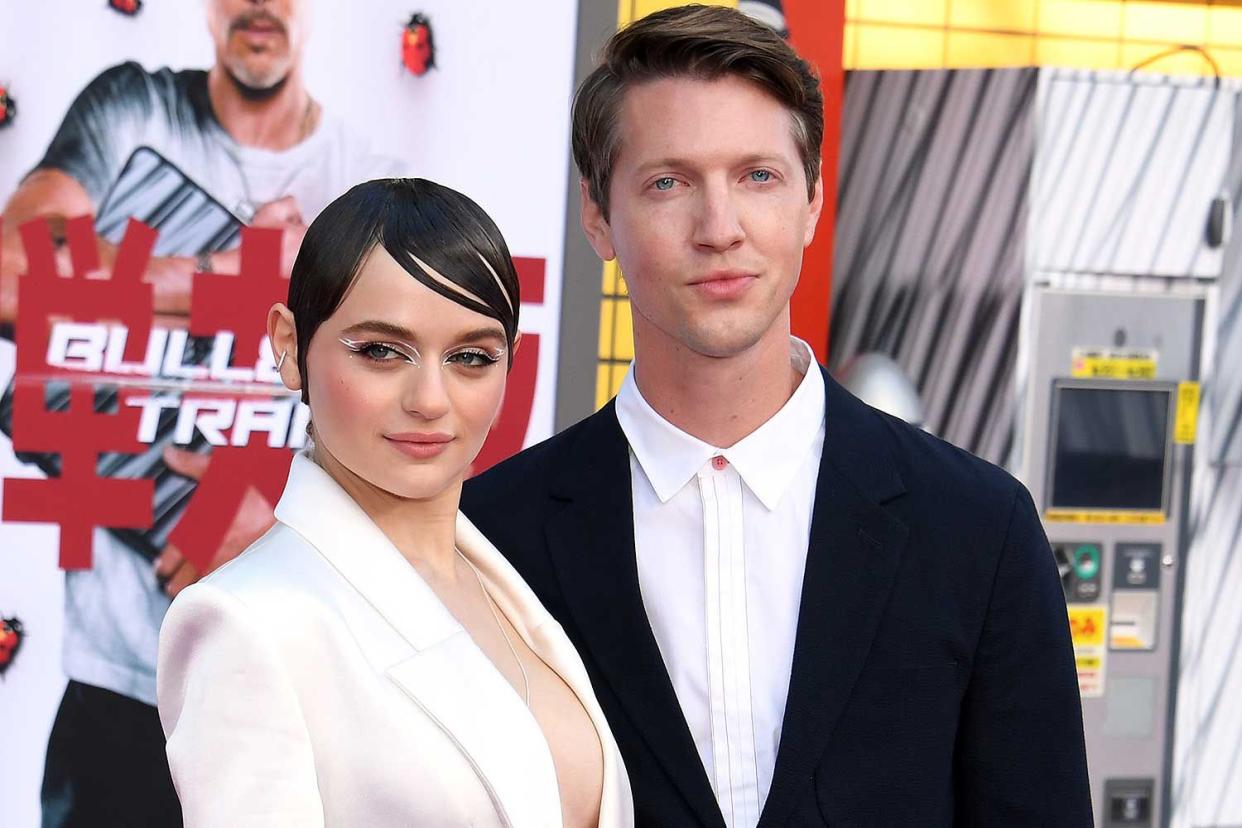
446,674
592,546
461,691
548,640
855,549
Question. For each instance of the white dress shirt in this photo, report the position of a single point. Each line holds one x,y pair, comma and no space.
721,538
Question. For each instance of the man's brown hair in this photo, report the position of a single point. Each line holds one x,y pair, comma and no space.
704,42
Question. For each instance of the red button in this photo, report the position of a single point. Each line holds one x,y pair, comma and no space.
719,463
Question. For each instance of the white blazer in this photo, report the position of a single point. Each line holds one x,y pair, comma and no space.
317,680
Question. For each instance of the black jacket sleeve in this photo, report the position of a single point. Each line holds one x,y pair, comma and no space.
1021,758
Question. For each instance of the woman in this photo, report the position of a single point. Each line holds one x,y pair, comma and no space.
373,660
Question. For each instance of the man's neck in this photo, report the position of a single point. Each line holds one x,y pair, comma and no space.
718,400
275,123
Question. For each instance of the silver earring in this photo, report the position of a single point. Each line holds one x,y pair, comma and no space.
281,361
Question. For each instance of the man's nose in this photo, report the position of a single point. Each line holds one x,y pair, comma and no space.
719,225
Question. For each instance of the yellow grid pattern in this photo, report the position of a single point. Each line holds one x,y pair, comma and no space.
942,34
1087,34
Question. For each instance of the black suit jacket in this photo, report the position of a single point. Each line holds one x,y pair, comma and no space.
933,678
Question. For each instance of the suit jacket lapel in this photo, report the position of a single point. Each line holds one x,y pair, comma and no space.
445,674
592,545
855,549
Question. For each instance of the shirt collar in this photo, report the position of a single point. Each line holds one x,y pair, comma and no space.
767,459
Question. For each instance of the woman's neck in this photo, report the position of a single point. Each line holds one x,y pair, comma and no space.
423,531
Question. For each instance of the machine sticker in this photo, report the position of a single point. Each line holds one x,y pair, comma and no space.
1091,363
1186,426
1104,516
1136,597
1137,566
1079,566
1087,630
1135,614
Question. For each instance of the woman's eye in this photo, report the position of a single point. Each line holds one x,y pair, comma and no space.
761,176
380,352
664,184
472,359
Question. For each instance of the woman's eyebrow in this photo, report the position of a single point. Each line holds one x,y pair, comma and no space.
483,335
378,326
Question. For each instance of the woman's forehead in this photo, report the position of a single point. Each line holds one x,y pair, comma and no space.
383,290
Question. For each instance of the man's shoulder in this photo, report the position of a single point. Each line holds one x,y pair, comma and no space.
931,469
129,87
529,473
130,78
121,78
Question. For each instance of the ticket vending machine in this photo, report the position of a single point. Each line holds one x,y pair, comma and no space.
1113,401
1128,226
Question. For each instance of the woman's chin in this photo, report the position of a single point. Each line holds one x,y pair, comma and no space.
427,484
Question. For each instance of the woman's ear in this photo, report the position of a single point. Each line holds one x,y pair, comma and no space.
282,332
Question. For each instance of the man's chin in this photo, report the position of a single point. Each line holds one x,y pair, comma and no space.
722,344
255,85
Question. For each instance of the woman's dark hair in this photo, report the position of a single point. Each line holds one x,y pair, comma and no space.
411,218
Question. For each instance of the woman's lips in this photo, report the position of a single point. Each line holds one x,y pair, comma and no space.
420,446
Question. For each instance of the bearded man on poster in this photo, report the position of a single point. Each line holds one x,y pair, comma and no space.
248,134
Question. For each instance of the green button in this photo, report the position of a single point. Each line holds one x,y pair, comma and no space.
1087,561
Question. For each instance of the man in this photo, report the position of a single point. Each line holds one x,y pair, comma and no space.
795,610
247,133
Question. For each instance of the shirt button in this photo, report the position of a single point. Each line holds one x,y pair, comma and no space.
719,463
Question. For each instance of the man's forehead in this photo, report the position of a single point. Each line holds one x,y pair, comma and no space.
686,118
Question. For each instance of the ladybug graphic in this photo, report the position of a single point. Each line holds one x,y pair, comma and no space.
126,7
418,47
8,107
10,642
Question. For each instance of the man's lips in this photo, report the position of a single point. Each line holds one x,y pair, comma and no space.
258,25
724,284
420,445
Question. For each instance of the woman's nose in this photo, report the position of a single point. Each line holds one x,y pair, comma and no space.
426,393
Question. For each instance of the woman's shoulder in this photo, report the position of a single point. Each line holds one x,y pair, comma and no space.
280,588
279,566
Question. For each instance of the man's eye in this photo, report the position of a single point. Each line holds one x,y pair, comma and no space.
665,183
761,175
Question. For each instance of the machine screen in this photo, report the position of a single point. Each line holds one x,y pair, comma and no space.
1110,448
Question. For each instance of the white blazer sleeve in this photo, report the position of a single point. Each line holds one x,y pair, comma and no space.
238,747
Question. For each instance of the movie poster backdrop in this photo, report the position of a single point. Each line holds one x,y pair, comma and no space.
95,387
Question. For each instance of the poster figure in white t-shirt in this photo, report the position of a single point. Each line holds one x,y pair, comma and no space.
246,138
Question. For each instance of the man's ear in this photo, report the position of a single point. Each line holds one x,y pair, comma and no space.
816,207
598,233
282,332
